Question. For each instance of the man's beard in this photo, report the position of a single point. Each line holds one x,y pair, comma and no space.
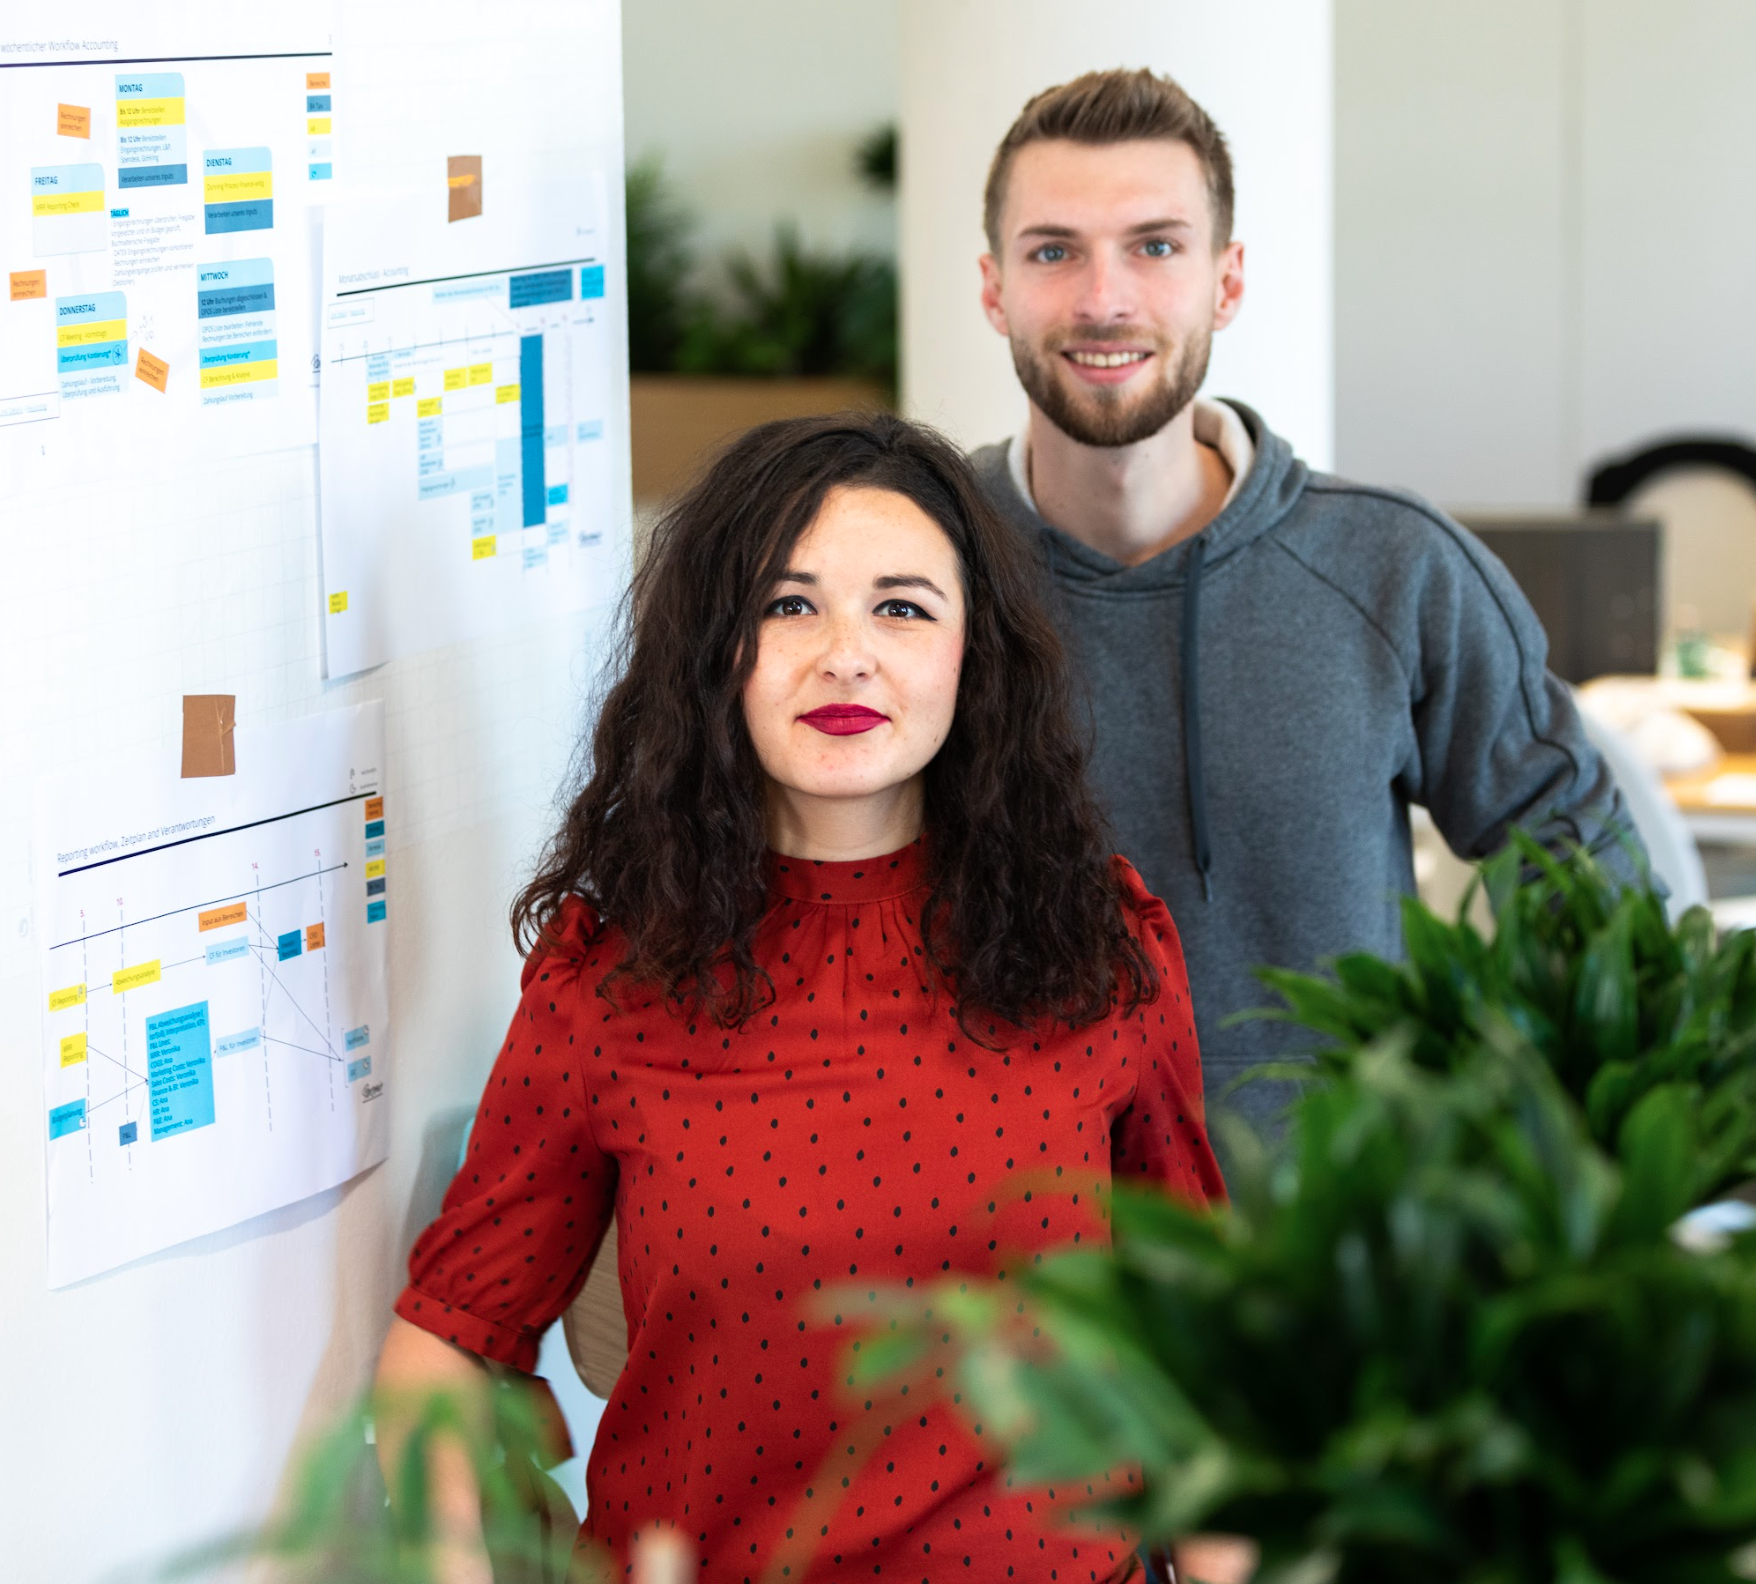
1112,415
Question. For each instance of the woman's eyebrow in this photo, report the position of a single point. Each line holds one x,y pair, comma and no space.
790,576
908,580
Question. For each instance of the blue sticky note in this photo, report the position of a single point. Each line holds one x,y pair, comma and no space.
128,1133
375,847
375,887
557,494
374,828
69,1118
590,429
591,281
233,1044
375,912
356,1037
225,950
290,944
179,1071
359,1069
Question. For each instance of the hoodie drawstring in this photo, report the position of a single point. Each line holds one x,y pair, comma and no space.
1192,769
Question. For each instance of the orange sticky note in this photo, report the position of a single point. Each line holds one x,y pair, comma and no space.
374,808
73,121
316,80
29,283
155,371
221,917
313,937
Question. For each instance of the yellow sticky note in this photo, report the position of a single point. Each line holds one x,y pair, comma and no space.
456,379
374,868
232,186
134,113
481,373
429,406
506,393
316,126
60,1000
403,387
66,203
72,1050
91,332
240,373
338,603
378,391
133,978
377,412
481,549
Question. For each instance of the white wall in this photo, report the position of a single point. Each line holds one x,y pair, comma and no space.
158,1405
758,109
1545,240
1261,67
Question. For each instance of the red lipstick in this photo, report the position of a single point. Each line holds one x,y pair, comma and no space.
843,720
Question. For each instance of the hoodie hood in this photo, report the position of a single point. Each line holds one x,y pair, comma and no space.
1270,490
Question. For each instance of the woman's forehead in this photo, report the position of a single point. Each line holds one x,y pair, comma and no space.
861,526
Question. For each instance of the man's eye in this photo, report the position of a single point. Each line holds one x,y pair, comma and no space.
789,605
1158,248
1051,253
904,609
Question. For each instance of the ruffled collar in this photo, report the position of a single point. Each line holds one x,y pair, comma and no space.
896,874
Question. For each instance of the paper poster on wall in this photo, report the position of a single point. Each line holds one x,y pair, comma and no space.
161,183
215,1020
468,375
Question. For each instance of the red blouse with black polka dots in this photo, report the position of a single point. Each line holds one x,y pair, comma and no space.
849,1133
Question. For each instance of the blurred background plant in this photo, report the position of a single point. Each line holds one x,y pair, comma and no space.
1450,1332
661,258
795,313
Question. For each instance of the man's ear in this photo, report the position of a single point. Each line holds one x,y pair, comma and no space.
991,294
1228,294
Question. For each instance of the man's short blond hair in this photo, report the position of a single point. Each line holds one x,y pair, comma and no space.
1115,107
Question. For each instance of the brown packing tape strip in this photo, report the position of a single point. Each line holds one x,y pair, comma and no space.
208,719
463,182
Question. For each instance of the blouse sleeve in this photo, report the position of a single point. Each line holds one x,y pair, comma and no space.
1162,1136
525,1213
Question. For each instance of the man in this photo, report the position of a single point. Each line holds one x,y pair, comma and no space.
1279,662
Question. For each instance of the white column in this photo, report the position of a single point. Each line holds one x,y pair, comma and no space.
1261,68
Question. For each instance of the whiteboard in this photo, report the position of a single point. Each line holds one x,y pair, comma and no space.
165,1398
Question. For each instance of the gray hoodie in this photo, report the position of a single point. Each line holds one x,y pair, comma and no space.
1271,695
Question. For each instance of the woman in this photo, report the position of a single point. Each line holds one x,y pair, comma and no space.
827,952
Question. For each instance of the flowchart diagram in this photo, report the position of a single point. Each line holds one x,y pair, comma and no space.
466,484
157,226
216,1021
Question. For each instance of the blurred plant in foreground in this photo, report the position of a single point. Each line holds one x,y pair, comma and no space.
1592,977
1443,1339
342,1527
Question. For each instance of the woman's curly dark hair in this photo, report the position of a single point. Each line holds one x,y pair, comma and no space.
1024,921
